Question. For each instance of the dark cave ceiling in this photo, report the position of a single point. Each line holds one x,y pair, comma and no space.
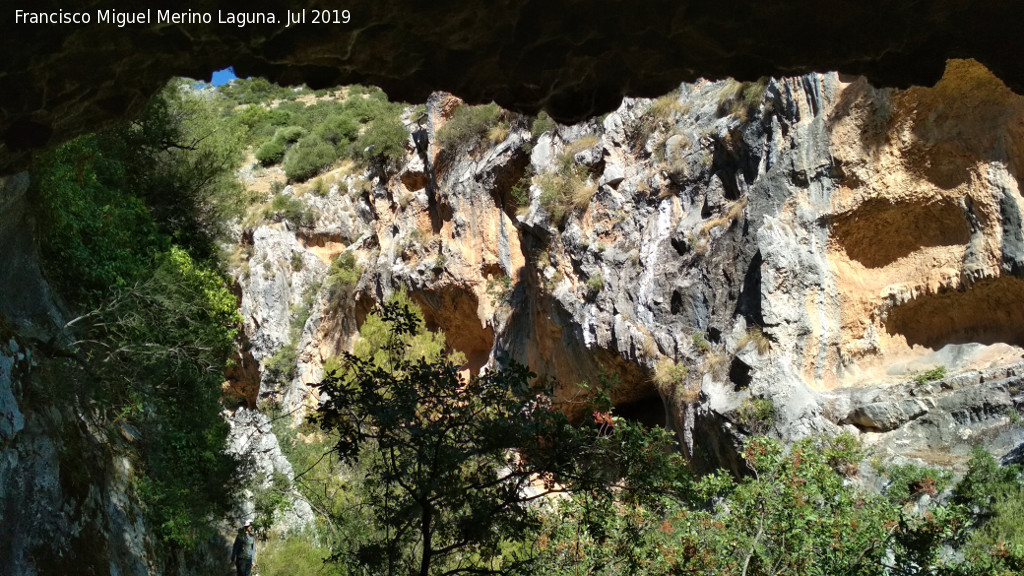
574,58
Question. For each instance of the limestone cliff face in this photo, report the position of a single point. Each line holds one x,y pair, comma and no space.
812,241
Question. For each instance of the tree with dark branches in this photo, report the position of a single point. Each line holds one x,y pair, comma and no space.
456,467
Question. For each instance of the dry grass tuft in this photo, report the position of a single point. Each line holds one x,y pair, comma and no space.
690,392
732,215
569,189
739,99
669,376
498,133
717,365
666,108
577,146
755,336
661,114
649,348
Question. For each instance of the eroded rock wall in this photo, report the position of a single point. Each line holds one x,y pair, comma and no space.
787,241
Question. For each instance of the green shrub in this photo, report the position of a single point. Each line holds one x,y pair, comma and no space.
343,277
757,415
375,337
909,481
936,373
468,125
386,138
595,283
440,261
273,150
282,365
843,453
994,493
95,235
499,288
700,343
253,90
339,129
290,134
307,158
520,192
541,124
270,501
292,209
370,107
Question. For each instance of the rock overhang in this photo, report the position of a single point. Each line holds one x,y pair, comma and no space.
567,57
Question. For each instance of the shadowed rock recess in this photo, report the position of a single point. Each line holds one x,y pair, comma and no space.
569,57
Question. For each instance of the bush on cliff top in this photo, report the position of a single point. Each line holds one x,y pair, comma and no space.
469,125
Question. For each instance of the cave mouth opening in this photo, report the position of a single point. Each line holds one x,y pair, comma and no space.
988,312
865,233
647,409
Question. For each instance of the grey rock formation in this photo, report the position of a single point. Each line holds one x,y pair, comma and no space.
27,301
253,439
66,486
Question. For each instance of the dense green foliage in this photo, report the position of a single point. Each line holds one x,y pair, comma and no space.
457,464
342,277
309,136
258,91
386,138
272,151
128,219
995,493
109,201
437,445
95,232
308,157
797,514
459,471
541,124
936,373
285,207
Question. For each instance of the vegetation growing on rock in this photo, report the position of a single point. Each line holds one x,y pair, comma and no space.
130,219
419,462
471,124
